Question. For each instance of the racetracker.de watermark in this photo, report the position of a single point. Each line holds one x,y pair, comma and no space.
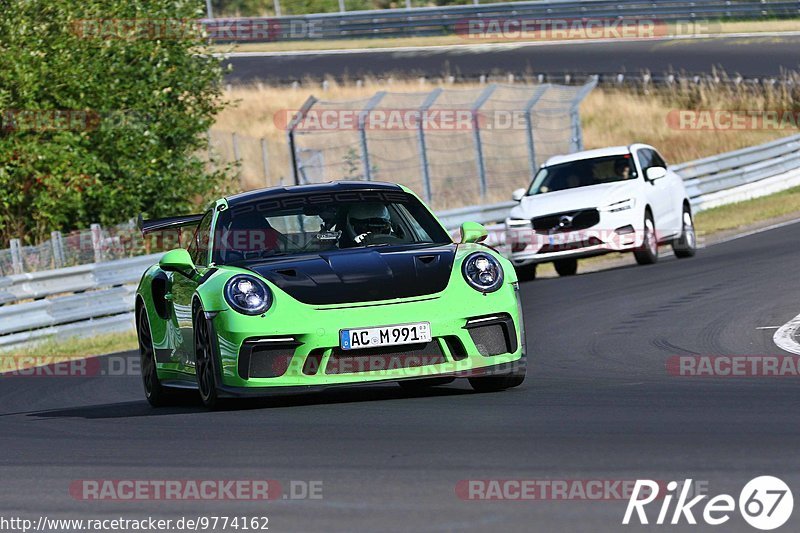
60,366
75,120
733,120
586,28
218,30
734,366
400,119
558,489
194,490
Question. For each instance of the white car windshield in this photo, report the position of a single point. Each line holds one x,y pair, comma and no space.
583,173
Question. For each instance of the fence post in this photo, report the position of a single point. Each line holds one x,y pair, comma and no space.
265,161
575,116
342,7
537,94
476,134
423,154
16,256
290,136
209,12
58,249
277,8
97,242
362,133
237,156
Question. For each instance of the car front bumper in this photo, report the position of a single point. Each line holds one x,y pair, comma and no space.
257,357
614,233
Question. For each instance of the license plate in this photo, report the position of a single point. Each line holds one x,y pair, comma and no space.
354,339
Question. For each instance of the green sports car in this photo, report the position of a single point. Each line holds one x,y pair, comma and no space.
290,289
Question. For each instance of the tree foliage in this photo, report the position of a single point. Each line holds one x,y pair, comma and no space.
103,112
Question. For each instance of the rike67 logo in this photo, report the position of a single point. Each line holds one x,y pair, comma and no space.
765,503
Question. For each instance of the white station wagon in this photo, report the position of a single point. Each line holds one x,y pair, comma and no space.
616,199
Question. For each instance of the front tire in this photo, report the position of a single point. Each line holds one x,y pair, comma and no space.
566,267
526,272
155,393
686,245
647,253
204,363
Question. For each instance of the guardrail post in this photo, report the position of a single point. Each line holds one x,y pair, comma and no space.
423,153
97,242
265,161
58,249
342,7
16,256
529,105
362,133
476,134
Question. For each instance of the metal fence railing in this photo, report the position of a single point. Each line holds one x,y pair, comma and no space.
456,147
440,20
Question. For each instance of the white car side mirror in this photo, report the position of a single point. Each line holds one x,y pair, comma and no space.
656,173
518,195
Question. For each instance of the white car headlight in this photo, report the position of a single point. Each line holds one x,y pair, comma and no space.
622,205
248,295
482,272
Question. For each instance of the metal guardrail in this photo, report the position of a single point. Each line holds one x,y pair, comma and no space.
53,308
69,280
426,21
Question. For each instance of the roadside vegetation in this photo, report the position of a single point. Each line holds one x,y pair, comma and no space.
100,123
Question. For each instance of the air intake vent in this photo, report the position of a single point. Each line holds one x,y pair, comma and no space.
266,357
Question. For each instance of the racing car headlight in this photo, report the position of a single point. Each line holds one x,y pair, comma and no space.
483,272
248,295
622,205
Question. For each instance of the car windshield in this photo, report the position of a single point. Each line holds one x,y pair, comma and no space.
312,223
583,173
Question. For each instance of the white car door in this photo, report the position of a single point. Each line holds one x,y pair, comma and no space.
677,194
658,194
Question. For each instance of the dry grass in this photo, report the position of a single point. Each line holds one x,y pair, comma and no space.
620,117
743,214
712,27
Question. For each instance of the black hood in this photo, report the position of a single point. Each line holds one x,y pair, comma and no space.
361,275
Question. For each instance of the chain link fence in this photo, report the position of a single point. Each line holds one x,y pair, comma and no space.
453,147
95,245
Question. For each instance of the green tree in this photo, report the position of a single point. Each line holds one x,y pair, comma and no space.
104,105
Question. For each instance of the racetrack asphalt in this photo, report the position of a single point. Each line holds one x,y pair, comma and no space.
751,57
597,404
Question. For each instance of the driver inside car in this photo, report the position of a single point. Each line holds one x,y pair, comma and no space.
368,221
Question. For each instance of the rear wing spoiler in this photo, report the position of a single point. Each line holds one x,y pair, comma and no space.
161,224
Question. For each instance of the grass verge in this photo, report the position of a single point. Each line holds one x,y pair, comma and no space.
77,347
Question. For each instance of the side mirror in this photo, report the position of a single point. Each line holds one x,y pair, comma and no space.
177,261
656,173
518,195
473,232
